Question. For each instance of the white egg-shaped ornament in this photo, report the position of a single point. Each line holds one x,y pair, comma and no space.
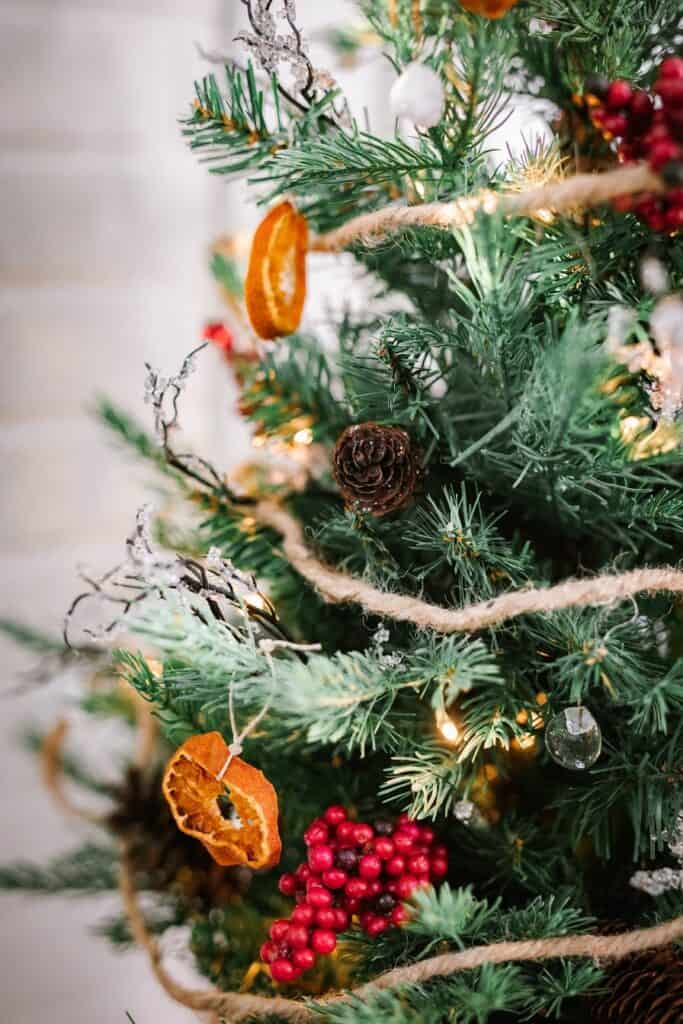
418,95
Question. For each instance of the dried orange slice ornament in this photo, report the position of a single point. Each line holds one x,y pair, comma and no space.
275,288
488,8
235,816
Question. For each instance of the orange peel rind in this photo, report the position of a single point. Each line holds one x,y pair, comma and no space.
235,817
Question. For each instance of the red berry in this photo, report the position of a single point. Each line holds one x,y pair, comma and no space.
673,218
335,878
402,842
315,833
323,941
362,834
427,835
282,970
356,888
297,936
670,90
618,94
370,866
615,125
412,830
352,905
376,925
268,952
365,919
319,897
623,204
304,959
419,865
395,866
341,919
375,887
325,918
303,915
399,914
320,858
334,815
287,885
438,867
344,835
303,872
656,222
640,107
671,67
404,819
662,152
406,886
384,848
278,930
439,850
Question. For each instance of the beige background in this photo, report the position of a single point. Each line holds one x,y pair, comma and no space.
106,219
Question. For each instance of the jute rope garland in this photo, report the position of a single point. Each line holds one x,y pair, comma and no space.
236,1006
339,588
577,191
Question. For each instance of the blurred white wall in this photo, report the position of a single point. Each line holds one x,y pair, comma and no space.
106,220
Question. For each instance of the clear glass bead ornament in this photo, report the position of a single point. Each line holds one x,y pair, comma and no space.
573,738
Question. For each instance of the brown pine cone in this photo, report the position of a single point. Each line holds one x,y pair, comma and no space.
643,989
376,468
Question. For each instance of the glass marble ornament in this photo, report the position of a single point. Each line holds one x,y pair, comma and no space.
573,738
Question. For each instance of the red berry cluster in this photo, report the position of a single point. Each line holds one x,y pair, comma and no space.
353,871
649,129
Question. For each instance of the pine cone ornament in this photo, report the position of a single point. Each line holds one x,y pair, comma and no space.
376,468
168,860
643,989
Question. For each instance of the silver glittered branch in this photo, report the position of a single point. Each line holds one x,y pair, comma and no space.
662,880
210,588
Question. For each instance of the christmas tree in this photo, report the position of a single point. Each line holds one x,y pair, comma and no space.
408,683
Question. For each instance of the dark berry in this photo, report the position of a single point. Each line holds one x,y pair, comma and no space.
282,970
385,903
383,828
335,814
323,941
672,173
596,85
346,859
